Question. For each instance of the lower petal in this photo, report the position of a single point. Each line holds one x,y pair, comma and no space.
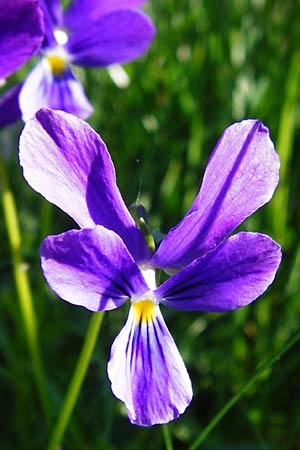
42,89
147,372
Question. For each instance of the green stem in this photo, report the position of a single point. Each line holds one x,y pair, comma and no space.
265,366
76,382
23,289
167,437
46,218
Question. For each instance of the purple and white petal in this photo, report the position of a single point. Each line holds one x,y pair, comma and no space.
91,268
21,33
66,161
9,106
240,177
117,37
229,277
147,372
42,89
89,10
53,17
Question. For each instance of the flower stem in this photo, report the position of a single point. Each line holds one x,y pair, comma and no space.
167,437
262,368
23,289
76,382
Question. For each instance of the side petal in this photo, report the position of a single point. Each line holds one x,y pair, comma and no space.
9,106
66,161
117,37
241,176
147,372
21,33
90,10
91,268
229,277
42,89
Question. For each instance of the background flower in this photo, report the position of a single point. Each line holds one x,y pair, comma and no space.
88,34
21,33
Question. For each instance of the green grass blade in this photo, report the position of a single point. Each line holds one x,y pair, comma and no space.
23,289
76,382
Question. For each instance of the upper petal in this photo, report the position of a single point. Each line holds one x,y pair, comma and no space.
21,33
90,10
52,15
91,268
9,106
65,160
229,277
241,176
117,37
147,372
42,89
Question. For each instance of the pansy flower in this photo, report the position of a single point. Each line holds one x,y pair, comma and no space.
21,33
107,261
90,33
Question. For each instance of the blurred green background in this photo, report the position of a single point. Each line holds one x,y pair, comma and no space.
211,63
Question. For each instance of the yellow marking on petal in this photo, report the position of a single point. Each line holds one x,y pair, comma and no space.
57,64
144,310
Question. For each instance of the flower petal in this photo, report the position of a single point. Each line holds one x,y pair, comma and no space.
91,268
229,277
21,33
66,161
52,14
117,37
89,10
9,106
42,89
147,372
240,177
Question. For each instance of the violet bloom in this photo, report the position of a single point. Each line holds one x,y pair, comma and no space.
90,33
107,262
21,33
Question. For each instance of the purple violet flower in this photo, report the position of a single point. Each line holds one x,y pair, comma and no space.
90,33
107,262
21,33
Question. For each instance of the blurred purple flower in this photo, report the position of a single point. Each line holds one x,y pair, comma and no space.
107,261
90,33
21,33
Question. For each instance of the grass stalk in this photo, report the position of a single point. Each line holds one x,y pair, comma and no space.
76,381
23,289
284,147
234,399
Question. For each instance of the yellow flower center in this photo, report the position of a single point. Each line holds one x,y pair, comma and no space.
57,64
144,310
